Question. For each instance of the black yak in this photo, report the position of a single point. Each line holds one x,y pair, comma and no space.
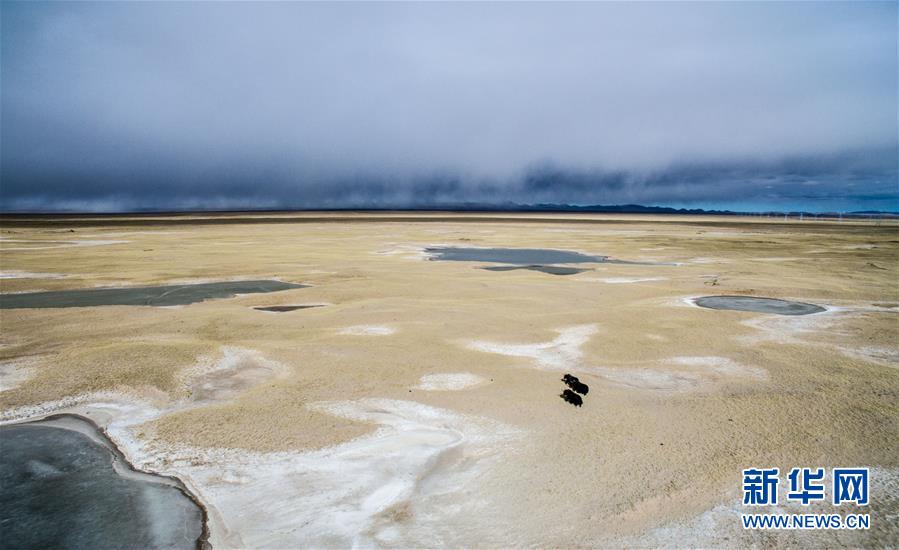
572,398
575,384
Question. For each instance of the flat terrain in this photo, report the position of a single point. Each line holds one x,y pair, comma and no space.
420,405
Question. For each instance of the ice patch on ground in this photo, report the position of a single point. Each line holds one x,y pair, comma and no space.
397,485
238,370
65,404
786,329
16,274
563,354
625,280
560,354
449,381
55,244
650,379
368,330
129,233
721,366
696,372
408,252
704,260
773,259
15,372
798,329
687,301
888,357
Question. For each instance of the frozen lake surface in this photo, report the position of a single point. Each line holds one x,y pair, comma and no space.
285,309
549,269
759,305
59,489
516,256
166,295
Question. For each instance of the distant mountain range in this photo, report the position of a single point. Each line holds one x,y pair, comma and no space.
506,207
625,209
641,209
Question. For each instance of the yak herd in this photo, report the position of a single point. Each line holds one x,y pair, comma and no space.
576,387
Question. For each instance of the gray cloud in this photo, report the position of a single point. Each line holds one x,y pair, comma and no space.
238,105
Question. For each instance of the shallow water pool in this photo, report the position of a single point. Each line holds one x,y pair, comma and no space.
549,269
536,259
166,295
758,305
285,309
517,256
58,489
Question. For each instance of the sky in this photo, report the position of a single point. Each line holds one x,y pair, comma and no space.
121,106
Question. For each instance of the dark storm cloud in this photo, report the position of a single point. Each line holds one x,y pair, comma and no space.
273,105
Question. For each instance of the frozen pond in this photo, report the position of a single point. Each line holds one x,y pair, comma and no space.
59,489
549,269
167,295
284,309
759,305
515,256
530,257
